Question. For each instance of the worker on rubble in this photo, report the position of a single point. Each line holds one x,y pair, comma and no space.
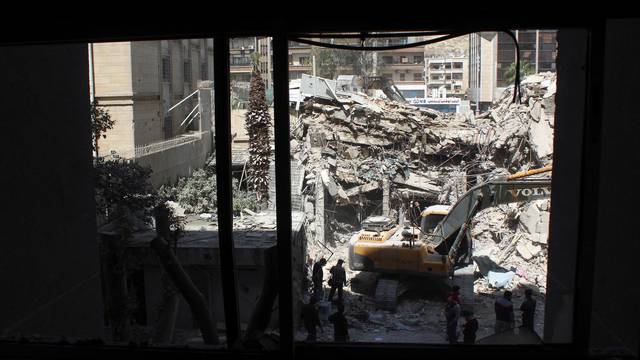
528,309
414,214
504,313
469,328
311,319
340,325
452,315
337,281
317,278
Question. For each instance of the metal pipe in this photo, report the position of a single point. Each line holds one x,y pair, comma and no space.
189,115
185,99
529,172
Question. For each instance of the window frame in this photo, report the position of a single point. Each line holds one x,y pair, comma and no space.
222,122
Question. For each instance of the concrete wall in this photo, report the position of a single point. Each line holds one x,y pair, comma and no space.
182,160
120,138
148,120
112,70
49,268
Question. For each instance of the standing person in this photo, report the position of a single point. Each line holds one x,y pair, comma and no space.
311,319
504,313
452,314
340,325
337,281
455,293
469,328
414,214
528,309
317,278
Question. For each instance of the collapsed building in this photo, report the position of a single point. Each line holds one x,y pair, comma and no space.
362,155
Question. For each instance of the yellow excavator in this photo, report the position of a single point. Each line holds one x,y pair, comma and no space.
442,242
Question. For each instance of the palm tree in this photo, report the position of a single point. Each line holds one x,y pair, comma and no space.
525,69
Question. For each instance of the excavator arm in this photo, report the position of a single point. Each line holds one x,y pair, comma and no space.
488,194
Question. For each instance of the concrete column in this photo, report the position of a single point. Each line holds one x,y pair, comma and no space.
385,197
205,104
320,216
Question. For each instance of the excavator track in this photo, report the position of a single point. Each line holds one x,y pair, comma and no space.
387,294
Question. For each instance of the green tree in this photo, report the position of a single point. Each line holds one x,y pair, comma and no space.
123,190
525,69
100,122
258,123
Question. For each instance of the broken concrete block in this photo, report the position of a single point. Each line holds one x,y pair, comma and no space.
524,251
328,182
535,111
540,238
542,226
529,218
533,249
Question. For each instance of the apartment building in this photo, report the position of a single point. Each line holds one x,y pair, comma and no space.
137,82
428,71
448,75
492,53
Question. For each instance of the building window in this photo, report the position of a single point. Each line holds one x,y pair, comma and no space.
417,76
187,71
387,59
204,70
166,68
418,59
401,77
457,65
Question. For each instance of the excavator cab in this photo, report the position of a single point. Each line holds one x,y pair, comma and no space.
431,217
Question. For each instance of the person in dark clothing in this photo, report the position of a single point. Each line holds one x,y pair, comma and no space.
311,319
317,278
469,328
452,315
340,325
414,214
337,281
504,313
528,309
455,293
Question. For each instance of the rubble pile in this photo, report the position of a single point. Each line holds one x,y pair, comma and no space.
515,237
521,135
353,145
357,148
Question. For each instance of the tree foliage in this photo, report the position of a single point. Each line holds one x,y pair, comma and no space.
257,124
525,69
123,190
100,122
198,193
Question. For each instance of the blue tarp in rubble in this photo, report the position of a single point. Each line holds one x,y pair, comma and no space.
497,276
